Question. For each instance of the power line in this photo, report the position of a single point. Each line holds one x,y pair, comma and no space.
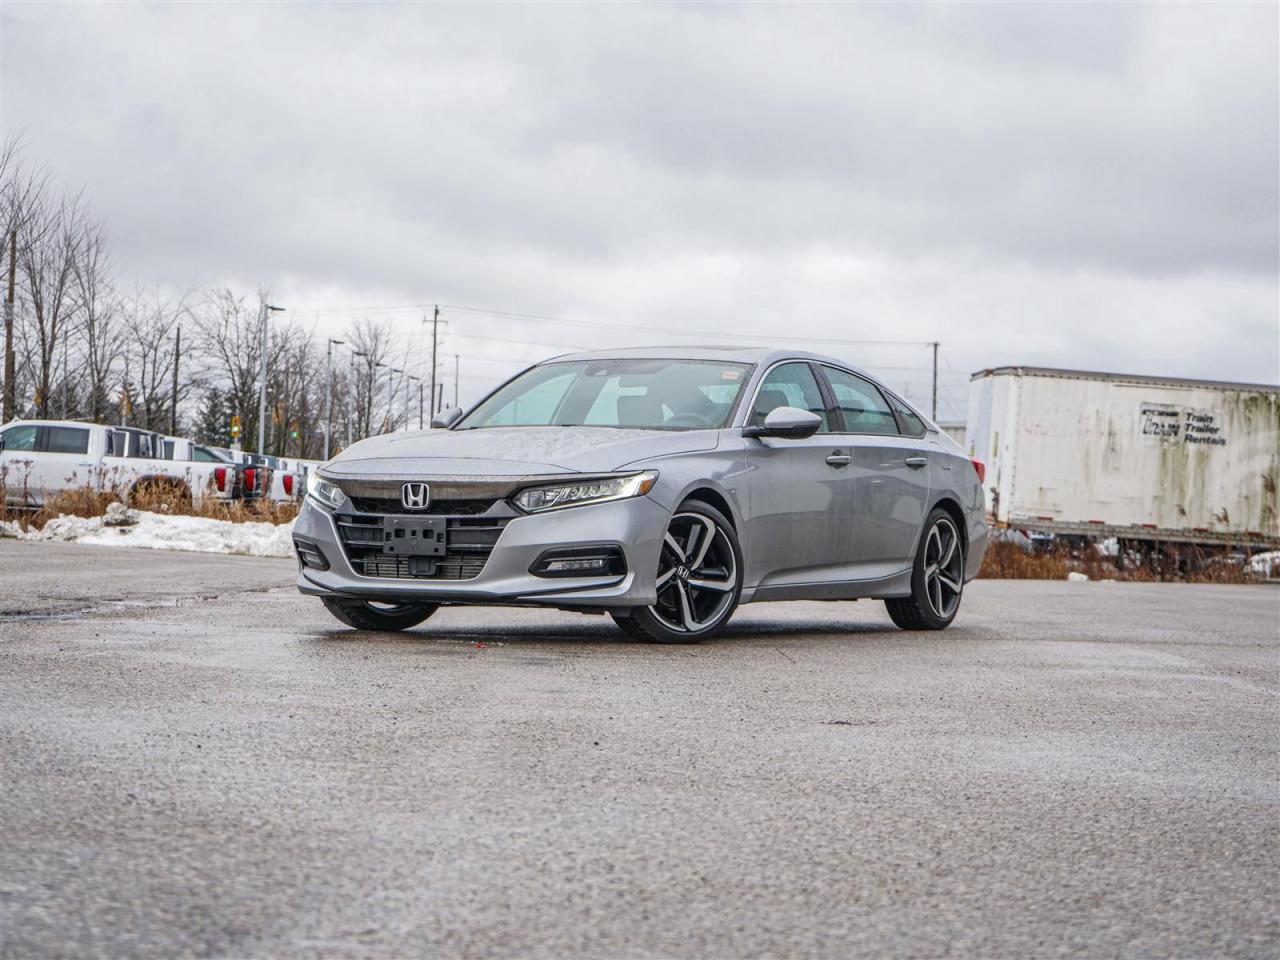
597,324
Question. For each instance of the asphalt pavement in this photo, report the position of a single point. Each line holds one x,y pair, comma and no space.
197,761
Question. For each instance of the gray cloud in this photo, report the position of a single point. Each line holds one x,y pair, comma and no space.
1077,184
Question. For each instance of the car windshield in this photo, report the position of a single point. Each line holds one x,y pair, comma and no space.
662,394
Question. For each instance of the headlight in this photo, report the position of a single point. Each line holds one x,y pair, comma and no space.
536,499
330,494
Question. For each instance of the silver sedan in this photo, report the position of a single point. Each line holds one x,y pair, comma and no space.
662,486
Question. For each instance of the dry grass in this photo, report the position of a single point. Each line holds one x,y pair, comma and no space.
1009,561
155,498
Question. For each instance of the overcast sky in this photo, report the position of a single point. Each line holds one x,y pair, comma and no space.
1077,185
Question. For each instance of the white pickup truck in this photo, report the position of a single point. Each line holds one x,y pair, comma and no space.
42,457
287,482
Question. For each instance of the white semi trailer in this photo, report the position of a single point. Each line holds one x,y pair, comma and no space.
1134,457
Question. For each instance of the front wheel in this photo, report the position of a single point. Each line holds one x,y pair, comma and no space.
371,615
937,578
699,579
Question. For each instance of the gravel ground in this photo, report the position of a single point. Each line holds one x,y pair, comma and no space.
195,760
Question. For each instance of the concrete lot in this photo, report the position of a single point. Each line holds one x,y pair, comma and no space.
195,760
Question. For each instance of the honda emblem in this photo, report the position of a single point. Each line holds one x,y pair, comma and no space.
415,496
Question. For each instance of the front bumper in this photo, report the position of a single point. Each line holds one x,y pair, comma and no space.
637,525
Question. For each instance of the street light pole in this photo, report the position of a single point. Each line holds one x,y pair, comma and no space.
391,398
407,378
328,394
262,376
351,389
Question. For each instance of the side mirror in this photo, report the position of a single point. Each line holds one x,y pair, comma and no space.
786,423
446,418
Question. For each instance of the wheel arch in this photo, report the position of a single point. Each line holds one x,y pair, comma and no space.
715,498
956,513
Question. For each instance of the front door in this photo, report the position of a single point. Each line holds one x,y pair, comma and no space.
800,517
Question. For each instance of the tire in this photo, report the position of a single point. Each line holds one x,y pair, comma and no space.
698,588
937,578
363,615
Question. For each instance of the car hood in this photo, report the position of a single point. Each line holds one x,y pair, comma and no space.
512,451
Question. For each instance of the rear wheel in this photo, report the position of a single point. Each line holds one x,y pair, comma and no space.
373,615
937,578
699,579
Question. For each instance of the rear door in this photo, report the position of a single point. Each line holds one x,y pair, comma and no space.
800,521
890,472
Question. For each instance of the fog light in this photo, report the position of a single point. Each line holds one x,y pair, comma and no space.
309,555
585,561
568,566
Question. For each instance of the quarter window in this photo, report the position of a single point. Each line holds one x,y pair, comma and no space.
912,425
790,385
66,440
861,405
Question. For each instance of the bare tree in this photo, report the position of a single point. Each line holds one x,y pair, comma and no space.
99,307
150,353
47,250
229,334
373,340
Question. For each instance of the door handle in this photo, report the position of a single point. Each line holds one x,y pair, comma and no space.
839,459
915,463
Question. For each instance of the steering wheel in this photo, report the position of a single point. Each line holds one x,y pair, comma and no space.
689,419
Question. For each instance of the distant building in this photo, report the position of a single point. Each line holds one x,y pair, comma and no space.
953,429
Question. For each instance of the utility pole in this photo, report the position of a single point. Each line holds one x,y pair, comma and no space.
420,407
10,393
351,388
262,377
62,410
177,355
455,380
439,399
935,381
328,393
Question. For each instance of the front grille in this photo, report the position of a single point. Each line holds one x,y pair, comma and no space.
436,508
470,540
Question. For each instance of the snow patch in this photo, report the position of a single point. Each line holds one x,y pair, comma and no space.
1075,576
156,531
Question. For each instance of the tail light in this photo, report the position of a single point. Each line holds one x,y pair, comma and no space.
288,484
979,466
250,478
220,479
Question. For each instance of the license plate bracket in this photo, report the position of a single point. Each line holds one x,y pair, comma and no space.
414,536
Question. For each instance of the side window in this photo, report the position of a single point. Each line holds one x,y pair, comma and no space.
201,455
65,440
912,425
862,406
117,443
19,438
789,385
168,449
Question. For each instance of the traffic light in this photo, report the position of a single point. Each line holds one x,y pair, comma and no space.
293,431
235,425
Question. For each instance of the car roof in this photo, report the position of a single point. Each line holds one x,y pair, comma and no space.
728,354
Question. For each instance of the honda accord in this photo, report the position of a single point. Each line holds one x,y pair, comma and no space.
661,486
